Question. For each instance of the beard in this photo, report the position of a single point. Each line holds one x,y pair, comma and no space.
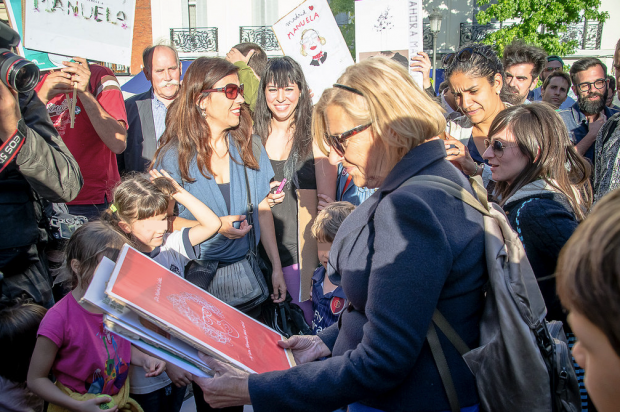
592,107
510,94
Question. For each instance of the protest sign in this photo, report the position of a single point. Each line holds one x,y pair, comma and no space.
193,315
96,30
389,28
43,60
309,34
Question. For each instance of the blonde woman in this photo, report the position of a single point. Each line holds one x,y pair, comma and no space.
402,253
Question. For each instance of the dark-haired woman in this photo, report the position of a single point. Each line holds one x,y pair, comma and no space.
543,185
475,75
283,120
208,149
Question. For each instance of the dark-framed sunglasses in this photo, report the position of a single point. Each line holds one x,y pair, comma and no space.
461,56
598,84
498,146
336,141
231,90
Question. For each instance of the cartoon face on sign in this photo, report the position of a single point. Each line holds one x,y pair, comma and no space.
312,44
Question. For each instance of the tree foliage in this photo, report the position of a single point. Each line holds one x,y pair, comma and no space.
540,22
348,30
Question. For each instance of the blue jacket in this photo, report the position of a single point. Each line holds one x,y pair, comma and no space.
402,253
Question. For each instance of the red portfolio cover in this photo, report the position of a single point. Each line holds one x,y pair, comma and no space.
194,315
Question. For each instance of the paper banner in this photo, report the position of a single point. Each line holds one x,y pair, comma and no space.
389,28
309,34
97,30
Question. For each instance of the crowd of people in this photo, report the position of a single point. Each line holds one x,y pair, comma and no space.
203,176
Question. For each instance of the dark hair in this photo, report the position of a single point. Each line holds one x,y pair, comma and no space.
612,81
557,73
281,72
328,221
588,270
585,64
147,54
258,61
186,129
443,86
87,245
137,198
482,63
518,52
19,324
543,139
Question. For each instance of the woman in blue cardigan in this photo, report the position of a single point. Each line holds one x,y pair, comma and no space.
402,253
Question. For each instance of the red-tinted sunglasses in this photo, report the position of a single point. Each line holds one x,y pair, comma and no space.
336,141
231,90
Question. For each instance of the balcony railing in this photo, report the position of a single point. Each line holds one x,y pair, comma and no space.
588,33
198,40
261,35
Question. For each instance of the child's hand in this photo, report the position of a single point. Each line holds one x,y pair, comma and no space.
324,201
92,405
153,366
156,174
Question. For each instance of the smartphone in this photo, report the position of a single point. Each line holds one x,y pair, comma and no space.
281,187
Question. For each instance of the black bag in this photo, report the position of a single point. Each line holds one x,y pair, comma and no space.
240,284
285,317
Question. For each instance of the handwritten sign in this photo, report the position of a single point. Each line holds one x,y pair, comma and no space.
94,29
389,28
309,34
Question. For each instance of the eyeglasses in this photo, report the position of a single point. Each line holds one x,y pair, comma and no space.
461,56
231,90
498,146
598,84
336,141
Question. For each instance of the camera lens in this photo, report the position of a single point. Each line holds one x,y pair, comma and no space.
24,76
18,73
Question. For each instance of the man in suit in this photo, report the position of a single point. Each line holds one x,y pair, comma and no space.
146,112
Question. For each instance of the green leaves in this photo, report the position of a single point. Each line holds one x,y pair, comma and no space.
539,22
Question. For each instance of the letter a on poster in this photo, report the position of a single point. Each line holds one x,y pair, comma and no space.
309,34
389,28
97,30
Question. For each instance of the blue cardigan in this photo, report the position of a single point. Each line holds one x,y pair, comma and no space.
401,253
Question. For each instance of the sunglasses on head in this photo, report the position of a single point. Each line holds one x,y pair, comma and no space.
461,56
231,90
335,141
498,146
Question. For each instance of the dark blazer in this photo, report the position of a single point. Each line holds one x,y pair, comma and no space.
401,253
141,136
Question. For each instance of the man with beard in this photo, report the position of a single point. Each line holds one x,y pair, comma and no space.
607,148
523,63
585,118
146,112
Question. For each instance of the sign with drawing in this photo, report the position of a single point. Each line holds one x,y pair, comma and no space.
94,29
389,28
193,315
309,34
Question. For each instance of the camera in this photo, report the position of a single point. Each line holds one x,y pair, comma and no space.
16,72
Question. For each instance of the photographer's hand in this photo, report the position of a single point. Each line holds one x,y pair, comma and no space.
9,112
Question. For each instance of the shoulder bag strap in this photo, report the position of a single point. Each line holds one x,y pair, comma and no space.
250,214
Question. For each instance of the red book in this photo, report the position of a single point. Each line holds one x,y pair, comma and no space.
195,316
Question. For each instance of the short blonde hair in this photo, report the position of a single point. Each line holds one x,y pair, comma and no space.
402,114
328,221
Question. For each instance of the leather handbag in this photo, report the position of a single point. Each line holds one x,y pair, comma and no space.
240,284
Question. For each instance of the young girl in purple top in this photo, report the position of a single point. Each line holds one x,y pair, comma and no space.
86,359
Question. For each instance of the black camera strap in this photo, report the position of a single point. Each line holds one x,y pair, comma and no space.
10,148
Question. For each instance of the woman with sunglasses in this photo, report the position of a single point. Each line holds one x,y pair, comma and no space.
208,149
475,75
405,251
543,185
283,120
